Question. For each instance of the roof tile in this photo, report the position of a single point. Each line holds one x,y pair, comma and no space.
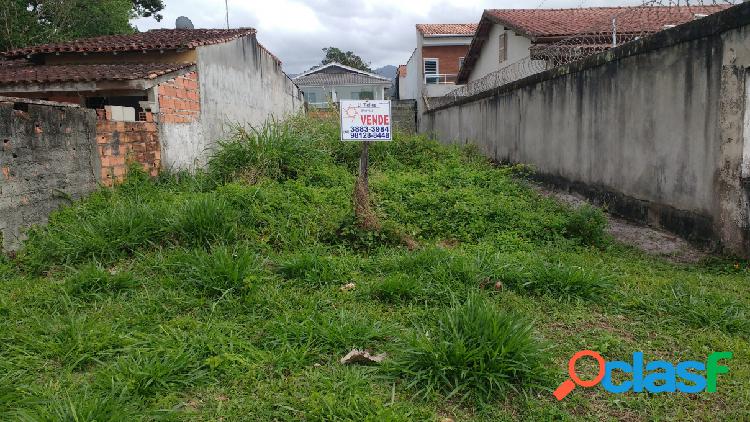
592,20
430,29
32,74
157,39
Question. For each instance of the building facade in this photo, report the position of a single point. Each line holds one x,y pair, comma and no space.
522,42
164,97
325,85
434,65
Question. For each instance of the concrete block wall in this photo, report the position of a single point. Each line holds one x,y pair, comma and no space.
404,115
48,158
653,129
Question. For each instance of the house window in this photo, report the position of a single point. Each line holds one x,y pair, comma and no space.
366,95
460,63
312,98
431,70
503,49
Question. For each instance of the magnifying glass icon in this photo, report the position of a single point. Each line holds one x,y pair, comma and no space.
568,385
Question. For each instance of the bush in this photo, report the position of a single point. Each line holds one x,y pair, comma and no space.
588,224
476,350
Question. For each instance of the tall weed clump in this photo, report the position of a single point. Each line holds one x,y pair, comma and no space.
219,271
113,230
476,350
205,219
273,151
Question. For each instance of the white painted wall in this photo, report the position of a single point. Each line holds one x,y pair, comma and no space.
240,84
409,87
489,57
322,94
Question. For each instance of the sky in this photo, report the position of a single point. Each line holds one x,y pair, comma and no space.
382,32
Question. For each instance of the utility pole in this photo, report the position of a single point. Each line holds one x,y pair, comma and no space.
614,32
226,7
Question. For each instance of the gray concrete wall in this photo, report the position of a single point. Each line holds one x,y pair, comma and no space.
404,115
48,157
654,128
241,83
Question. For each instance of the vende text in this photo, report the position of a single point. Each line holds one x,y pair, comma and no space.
377,119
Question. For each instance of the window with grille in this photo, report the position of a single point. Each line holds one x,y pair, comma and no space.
431,68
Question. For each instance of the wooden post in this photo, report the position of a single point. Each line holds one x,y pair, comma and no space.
364,165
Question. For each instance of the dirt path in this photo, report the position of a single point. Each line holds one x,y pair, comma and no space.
648,239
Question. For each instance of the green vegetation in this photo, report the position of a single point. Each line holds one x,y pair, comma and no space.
219,295
34,22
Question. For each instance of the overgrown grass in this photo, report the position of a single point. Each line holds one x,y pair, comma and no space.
232,294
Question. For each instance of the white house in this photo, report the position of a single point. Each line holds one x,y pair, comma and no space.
526,41
332,82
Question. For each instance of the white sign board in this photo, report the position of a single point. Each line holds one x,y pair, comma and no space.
365,120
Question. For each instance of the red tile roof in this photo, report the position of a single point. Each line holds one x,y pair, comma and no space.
567,22
34,74
546,26
433,29
157,39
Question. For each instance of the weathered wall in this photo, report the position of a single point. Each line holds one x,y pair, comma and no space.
652,128
48,157
404,115
240,83
489,58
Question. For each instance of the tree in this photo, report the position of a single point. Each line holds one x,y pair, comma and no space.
348,58
29,22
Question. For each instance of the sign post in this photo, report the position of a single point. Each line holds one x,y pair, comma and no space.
365,121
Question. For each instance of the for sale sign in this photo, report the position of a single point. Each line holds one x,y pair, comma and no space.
365,120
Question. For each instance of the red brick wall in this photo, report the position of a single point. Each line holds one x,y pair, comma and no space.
447,56
121,143
179,99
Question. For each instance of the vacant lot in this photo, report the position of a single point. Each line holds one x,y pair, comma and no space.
232,294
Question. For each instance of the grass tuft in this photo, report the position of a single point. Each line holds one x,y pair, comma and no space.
476,350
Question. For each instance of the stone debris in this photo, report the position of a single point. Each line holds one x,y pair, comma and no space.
348,287
357,356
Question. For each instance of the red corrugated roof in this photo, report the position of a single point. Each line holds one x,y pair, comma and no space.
567,22
428,29
157,39
34,74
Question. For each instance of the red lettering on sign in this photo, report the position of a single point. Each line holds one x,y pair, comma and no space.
379,119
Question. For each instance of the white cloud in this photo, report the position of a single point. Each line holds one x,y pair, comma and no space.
380,31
